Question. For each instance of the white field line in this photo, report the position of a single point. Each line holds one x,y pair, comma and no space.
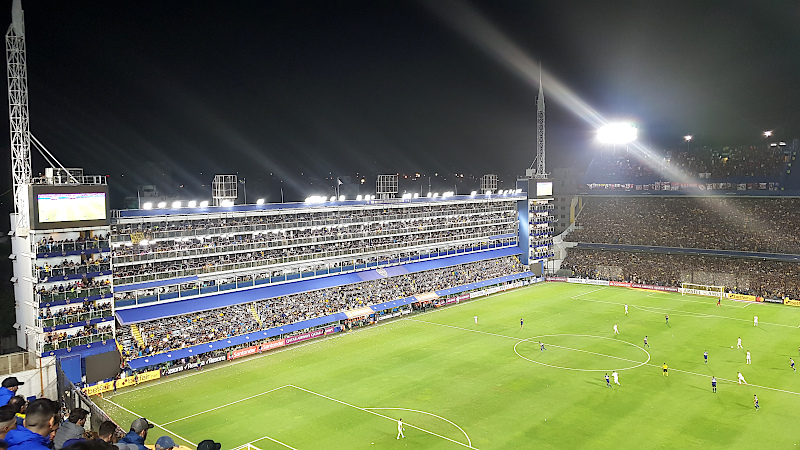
271,439
469,441
226,405
646,364
155,424
385,417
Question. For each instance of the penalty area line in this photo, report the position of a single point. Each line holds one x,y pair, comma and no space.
154,424
381,415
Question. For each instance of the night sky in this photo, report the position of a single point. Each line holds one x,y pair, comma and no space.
288,93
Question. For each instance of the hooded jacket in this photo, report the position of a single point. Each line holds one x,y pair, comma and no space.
25,439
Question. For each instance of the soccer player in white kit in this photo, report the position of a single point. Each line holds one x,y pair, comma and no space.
626,309
755,321
748,357
615,375
476,320
616,331
739,343
400,429
741,378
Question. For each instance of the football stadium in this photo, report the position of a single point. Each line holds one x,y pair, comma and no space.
606,308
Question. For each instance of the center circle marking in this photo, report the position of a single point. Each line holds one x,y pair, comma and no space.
534,338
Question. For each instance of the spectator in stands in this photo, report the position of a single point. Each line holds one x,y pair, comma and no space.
165,443
208,444
9,389
72,428
7,420
42,420
138,433
18,404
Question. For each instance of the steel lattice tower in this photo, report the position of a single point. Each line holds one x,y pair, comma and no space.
539,161
18,116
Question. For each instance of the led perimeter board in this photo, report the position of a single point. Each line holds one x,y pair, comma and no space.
69,206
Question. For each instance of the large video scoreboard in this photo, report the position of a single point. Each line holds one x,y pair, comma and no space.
55,207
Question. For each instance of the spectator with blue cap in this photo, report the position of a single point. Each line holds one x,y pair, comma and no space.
165,443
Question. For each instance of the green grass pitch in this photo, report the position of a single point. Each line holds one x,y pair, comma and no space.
489,386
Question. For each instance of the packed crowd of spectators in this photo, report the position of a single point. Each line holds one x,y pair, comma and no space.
44,424
214,263
767,225
192,329
77,288
765,278
76,312
68,267
716,164
228,242
49,245
287,219
91,333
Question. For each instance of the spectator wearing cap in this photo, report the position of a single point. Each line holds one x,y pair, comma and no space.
7,421
138,433
208,444
42,419
165,443
9,389
72,428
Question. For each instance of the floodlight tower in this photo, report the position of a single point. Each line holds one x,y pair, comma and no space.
537,169
18,117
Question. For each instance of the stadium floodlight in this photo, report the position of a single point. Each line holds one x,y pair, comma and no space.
406,196
204,204
519,191
333,198
359,197
416,194
260,201
342,198
176,204
162,204
429,195
147,205
473,193
768,133
226,203
617,133
192,204
435,194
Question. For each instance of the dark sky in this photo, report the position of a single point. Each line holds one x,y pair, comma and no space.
276,89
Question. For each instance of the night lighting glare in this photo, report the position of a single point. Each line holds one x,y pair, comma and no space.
617,133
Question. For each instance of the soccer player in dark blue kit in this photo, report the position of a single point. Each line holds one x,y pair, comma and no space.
608,382
705,357
714,384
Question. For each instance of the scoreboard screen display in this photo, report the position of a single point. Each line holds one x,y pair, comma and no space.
544,188
56,207
71,206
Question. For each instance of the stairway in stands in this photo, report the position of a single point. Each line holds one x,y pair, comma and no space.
255,314
137,335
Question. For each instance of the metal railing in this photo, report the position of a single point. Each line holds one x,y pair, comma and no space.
290,259
49,297
61,247
74,341
74,318
46,272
